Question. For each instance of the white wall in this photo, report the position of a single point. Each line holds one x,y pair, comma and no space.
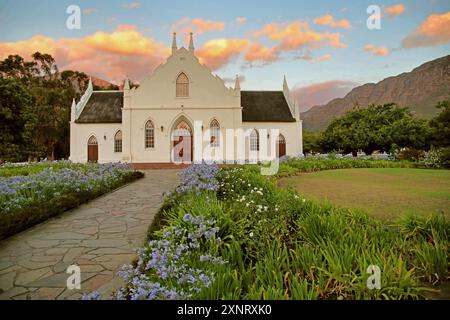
79,136
292,132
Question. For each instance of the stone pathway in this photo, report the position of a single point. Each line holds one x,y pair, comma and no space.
99,236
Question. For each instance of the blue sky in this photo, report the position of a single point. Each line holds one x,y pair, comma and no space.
303,53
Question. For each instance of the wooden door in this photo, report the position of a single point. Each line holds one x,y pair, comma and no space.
182,147
93,153
92,149
281,146
281,150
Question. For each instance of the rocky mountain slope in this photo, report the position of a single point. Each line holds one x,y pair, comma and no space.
419,90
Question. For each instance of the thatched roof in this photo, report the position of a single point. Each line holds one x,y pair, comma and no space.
265,106
103,107
258,106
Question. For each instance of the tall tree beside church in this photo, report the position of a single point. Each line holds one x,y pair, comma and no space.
44,121
15,99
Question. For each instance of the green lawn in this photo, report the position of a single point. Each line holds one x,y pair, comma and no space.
381,192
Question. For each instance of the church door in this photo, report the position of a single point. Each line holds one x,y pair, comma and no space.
182,143
92,149
281,146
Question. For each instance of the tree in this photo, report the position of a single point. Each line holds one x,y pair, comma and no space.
440,126
43,120
440,132
377,127
14,100
312,142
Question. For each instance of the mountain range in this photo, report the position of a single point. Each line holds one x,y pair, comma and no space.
419,90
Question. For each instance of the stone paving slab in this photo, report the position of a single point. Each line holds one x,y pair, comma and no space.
99,236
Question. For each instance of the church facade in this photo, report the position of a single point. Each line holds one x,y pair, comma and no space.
183,113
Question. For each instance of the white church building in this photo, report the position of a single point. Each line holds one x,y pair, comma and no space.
182,113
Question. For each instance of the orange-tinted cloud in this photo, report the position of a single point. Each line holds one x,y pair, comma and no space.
321,93
218,52
435,30
323,58
257,52
395,10
197,26
111,56
298,34
328,20
378,51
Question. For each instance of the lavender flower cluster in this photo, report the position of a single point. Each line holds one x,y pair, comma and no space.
18,192
200,176
177,266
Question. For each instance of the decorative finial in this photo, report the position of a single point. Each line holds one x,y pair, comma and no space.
191,42
237,85
126,85
174,43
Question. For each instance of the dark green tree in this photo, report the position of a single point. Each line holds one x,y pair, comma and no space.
377,127
15,99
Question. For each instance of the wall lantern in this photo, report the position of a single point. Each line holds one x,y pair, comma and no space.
104,136
268,135
162,128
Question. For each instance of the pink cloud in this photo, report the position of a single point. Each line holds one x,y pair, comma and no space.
321,93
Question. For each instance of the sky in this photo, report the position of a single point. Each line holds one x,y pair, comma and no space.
324,48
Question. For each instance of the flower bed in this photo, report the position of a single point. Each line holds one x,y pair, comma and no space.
294,166
248,239
29,199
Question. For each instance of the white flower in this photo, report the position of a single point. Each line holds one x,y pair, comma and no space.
303,200
251,234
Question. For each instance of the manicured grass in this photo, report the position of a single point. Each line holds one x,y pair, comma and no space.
381,192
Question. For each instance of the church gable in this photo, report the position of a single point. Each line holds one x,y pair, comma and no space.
201,87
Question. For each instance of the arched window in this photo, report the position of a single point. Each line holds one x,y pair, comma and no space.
149,135
254,140
118,142
182,85
92,141
215,133
281,139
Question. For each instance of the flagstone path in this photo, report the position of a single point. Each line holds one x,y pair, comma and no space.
99,236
